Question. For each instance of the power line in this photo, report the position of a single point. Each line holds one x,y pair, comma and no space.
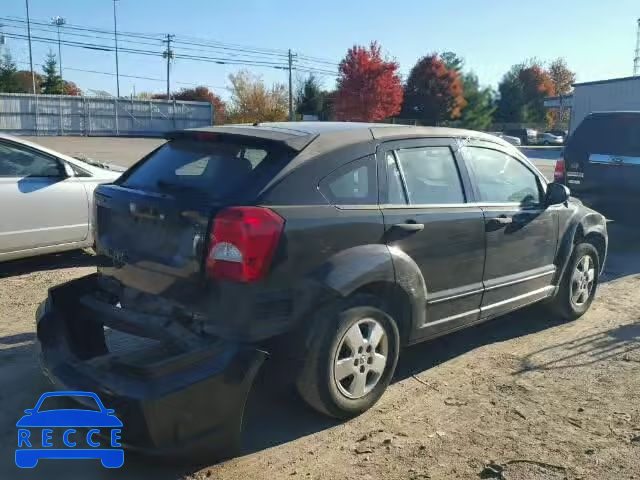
178,47
249,54
137,77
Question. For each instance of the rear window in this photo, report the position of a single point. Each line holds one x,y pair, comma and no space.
217,169
613,135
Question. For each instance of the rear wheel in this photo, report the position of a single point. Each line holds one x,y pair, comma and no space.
351,357
579,283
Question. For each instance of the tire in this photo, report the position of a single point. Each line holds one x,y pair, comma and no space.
564,303
331,353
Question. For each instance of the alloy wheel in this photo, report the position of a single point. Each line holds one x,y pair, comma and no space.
582,281
361,358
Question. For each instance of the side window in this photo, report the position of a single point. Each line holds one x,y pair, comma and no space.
18,162
395,191
501,178
355,183
431,175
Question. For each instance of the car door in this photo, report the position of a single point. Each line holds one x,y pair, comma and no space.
521,232
427,214
42,204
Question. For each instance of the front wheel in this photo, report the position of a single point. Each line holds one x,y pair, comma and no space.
352,354
579,282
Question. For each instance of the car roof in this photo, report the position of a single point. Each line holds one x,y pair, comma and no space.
298,135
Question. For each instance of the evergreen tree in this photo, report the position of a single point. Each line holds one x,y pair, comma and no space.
478,114
52,83
8,81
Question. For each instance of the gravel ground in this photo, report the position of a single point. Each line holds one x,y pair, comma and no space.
520,397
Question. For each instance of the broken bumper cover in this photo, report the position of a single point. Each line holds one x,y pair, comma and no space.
178,403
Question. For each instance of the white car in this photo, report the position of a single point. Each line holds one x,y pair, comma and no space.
508,138
46,199
548,138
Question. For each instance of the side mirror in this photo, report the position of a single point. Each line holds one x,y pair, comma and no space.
557,193
68,170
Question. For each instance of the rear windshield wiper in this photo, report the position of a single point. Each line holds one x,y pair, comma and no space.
176,187
173,186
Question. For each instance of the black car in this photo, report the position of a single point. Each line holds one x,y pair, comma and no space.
527,136
602,159
328,246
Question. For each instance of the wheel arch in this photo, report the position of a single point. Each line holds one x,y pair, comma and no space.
591,228
384,271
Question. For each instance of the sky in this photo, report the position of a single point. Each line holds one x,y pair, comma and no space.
597,38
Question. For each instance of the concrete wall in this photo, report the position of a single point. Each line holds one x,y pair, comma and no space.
622,94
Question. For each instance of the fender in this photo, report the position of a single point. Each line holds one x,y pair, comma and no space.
356,267
587,222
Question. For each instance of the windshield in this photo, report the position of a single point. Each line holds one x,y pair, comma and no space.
613,135
84,402
215,169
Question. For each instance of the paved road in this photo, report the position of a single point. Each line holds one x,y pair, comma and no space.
126,151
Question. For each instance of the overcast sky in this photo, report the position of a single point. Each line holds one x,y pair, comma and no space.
596,37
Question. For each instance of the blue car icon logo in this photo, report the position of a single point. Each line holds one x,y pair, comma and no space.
51,433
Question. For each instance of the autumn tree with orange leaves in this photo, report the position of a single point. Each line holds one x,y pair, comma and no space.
522,92
433,92
368,87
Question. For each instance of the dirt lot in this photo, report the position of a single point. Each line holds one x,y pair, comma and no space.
521,397
526,394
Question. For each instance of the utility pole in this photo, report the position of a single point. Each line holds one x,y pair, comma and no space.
59,22
168,54
290,57
636,59
115,37
33,74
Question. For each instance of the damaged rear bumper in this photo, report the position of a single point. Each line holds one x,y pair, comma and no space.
182,402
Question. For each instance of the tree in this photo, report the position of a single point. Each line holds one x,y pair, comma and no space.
522,92
478,114
24,82
310,97
452,61
8,70
52,84
368,86
433,92
70,88
251,101
203,94
562,78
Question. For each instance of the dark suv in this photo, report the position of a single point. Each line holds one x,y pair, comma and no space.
328,245
602,159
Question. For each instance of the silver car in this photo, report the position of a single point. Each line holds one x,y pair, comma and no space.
46,199
549,138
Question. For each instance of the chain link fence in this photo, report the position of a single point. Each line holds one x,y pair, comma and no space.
25,114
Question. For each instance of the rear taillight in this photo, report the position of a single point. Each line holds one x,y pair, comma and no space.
242,244
558,174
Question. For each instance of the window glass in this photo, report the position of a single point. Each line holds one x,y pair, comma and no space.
431,175
394,182
18,162
217,169
611,134
352,184
501,178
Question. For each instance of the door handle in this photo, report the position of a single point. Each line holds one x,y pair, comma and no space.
408,227
399,231
498,222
